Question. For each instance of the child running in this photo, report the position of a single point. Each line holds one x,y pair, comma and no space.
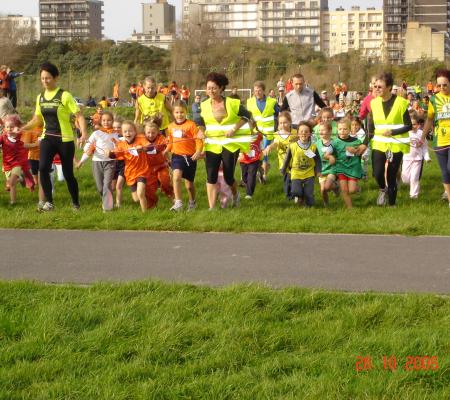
358,132
186,149
103,167
327,178
304,160
348,151
326,115
413,161
282,139
15,157
137,172
157,162
250,163
119,175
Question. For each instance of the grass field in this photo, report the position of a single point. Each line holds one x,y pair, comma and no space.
156,341
267,212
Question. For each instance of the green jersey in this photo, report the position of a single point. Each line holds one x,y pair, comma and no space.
347,164
324,149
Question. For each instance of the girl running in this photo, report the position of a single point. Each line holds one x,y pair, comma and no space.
250,163
119,176
304,160
186,149
103,167
282,139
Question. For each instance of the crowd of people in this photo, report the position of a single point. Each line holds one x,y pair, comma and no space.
315,139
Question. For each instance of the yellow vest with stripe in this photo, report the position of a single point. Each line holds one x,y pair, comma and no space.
152,106
215,138
397,143
302,166
264,120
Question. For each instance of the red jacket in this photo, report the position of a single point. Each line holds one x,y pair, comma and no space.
254,154
16,155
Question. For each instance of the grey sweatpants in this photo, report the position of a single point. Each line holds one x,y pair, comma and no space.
304,188
103,172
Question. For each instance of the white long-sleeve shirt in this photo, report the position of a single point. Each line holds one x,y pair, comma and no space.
416,152
102,141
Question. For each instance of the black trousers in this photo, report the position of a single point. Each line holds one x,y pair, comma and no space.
249,172
228,160
378,166
50,146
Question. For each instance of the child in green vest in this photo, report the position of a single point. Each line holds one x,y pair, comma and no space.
327,178
348,151
304,160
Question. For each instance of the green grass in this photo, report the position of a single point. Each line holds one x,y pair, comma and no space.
150,340
267,212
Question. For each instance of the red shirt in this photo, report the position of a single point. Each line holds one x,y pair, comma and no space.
254,154
14,153
4,82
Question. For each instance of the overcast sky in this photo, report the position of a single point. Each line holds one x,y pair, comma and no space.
118,26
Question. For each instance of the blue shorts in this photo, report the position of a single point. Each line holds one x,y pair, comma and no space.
185,164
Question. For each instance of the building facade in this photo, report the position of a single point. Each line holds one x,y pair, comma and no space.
65,20
27,29
397,14
277,21
354,29
421,41
158,18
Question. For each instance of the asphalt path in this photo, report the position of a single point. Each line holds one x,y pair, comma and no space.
343,262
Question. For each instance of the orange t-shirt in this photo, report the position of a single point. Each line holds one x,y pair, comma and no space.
156,160
32,136
135,166
183,138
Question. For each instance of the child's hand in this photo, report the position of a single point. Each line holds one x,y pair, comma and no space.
196,155
139,148
351,149
331,159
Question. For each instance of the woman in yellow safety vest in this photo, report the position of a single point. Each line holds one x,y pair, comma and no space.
439,115
226,129
389,124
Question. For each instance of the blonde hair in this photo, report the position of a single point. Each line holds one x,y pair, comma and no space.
154,121
344,121
130,123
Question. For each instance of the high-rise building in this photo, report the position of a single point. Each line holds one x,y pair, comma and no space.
25,29
158,17
65,20
397,14
354,29
276,21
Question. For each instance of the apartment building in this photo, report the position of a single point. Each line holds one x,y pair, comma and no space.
421,41
277,21
158,18
28,26
65,20
397,14
354,29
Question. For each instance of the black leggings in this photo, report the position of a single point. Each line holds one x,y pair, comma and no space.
50,146
249,172
378,166
213,161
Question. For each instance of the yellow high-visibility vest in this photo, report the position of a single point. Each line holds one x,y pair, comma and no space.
215,138
397,143
265,120
149,107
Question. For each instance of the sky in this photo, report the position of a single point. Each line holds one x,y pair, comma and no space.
123,16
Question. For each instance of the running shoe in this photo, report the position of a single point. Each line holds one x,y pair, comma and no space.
40,205
381,200
178,206
248,197
444,196
76,207
47,206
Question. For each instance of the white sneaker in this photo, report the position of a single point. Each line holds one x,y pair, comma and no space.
381,200
237,200
192,205
47,206
248,197
444,196
178,206
40,205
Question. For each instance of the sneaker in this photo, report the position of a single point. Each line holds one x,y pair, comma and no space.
381,200
444,196
248,197
40,205
75,207
177,206
192,205
296,200
47,206
237,200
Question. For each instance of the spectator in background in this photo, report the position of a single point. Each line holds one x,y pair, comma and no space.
289,86
116,91
196,108
133,93
272,94
12,91
4,82
324,97
234,94
280,83
185,94
281,96
91,102
103,103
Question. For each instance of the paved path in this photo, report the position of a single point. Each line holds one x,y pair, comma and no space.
347,262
